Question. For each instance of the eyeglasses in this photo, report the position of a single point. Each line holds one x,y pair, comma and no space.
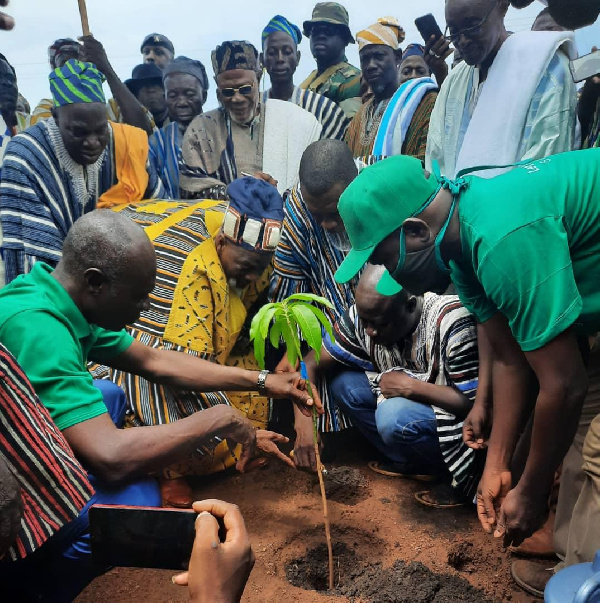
469,32
245,90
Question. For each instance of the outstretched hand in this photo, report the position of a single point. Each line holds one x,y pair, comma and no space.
218,569
477,427
519,517
292,386
493,489
267,441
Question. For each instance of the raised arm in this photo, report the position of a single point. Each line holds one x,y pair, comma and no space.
131,109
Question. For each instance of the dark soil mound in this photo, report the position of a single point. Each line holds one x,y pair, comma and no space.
346,485
412,583
311,571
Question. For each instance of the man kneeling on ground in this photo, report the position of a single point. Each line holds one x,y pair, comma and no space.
215,262
408,379
53,321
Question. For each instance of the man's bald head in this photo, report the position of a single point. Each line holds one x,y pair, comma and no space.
387,320
108,267
106,240
367,289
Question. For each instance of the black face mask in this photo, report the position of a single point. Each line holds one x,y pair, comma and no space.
424,270
420,272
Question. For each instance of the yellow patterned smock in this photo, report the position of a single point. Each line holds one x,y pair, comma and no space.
194,311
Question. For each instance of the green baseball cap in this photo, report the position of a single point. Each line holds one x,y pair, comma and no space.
329,12
376,204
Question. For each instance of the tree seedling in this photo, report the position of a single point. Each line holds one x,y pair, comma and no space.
296,319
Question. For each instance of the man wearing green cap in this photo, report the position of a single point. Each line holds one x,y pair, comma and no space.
522,251
334,77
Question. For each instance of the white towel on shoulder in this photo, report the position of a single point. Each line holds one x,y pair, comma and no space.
494,133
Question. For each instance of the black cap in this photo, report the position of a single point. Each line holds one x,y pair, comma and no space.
146,74
155,39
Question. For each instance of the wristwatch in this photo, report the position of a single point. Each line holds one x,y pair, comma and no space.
262,381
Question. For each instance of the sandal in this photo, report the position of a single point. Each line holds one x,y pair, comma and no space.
442,497
389,470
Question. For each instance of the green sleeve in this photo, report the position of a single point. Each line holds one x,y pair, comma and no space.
108,344
52,359
529,276
471,293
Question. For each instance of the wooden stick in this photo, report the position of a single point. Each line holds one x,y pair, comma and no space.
320,468
84,18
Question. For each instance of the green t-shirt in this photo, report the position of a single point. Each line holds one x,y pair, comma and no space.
531,247
52,341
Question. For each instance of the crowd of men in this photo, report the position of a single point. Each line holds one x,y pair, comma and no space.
449,216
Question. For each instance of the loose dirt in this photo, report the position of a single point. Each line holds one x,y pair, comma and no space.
388,548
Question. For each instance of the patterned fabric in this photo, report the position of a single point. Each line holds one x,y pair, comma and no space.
340,83
332,118
386,32
54,486
43,192
442,350
165,155
305,262
364,126
207,156
236,54
44,111
77,82
194,311
396,126
280,23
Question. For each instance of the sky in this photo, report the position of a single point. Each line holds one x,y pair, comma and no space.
194,27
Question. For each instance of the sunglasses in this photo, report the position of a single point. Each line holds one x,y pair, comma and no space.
469,32
245,90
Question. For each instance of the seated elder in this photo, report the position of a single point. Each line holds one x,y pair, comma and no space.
219,262
66,166
243,136
78,311
410,379
185,89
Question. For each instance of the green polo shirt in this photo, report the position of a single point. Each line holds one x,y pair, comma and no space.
52,341
531,247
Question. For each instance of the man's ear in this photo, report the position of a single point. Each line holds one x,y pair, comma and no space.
261,60
411,304
298,57
220,242
416,228
398,54
54,114
95,280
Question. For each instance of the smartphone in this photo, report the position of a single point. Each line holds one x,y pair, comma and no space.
142,536
427,26
586,66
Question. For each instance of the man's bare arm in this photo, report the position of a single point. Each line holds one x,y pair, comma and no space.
187,372
116,455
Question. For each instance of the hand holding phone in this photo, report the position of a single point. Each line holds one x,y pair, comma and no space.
428,27
219,567
586,66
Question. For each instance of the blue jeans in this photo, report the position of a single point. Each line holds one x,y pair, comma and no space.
63,566
403,430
